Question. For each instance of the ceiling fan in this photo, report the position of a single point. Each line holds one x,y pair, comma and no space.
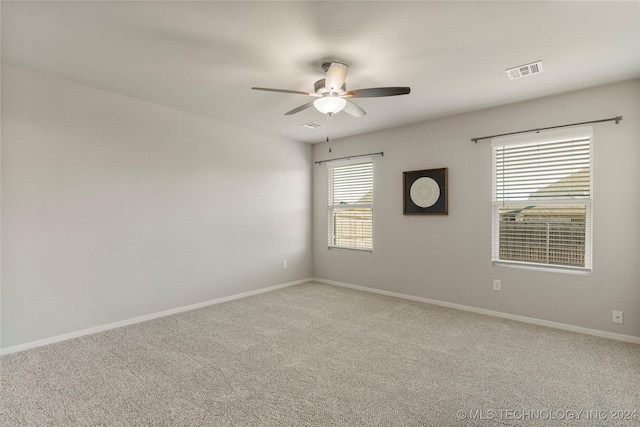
331,93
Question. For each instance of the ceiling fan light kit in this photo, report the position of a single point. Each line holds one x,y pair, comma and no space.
331,93
330,104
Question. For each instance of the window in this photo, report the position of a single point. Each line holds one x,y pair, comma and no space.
542,200
350,211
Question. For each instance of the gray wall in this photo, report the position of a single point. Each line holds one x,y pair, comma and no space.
448,258
114,208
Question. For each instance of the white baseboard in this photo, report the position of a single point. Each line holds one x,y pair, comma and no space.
144,318
556,325
534,321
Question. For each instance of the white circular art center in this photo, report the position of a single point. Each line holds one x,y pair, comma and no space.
424,192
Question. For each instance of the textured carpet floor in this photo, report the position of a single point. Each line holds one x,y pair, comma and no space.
318,355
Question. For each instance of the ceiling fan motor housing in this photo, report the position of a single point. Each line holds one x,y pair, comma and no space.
336,74
320,88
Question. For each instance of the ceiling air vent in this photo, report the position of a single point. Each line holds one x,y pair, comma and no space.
311,125
525,70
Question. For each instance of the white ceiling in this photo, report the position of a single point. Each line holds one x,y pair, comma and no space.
203,57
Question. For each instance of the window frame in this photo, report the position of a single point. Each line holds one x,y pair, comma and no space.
331,207
543,137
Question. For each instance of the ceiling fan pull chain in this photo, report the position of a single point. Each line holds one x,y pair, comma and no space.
329,128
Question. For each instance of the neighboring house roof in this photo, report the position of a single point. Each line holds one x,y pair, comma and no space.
576,185
549,213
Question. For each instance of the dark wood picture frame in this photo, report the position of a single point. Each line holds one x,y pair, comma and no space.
428,200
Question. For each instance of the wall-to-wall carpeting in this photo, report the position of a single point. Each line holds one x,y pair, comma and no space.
316,354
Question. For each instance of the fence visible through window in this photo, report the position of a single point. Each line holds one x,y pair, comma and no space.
543,234
353,228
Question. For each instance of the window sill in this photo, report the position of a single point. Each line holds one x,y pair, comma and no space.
340,248
543,267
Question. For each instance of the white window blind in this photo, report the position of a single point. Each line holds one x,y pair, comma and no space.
542,200
350,210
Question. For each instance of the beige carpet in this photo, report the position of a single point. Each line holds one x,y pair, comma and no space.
318,355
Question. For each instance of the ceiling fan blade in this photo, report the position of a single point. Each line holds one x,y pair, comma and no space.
377,92
297,92
336,75
353,109
300,108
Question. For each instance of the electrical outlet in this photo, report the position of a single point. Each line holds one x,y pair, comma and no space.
284,264
617,317
497,285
